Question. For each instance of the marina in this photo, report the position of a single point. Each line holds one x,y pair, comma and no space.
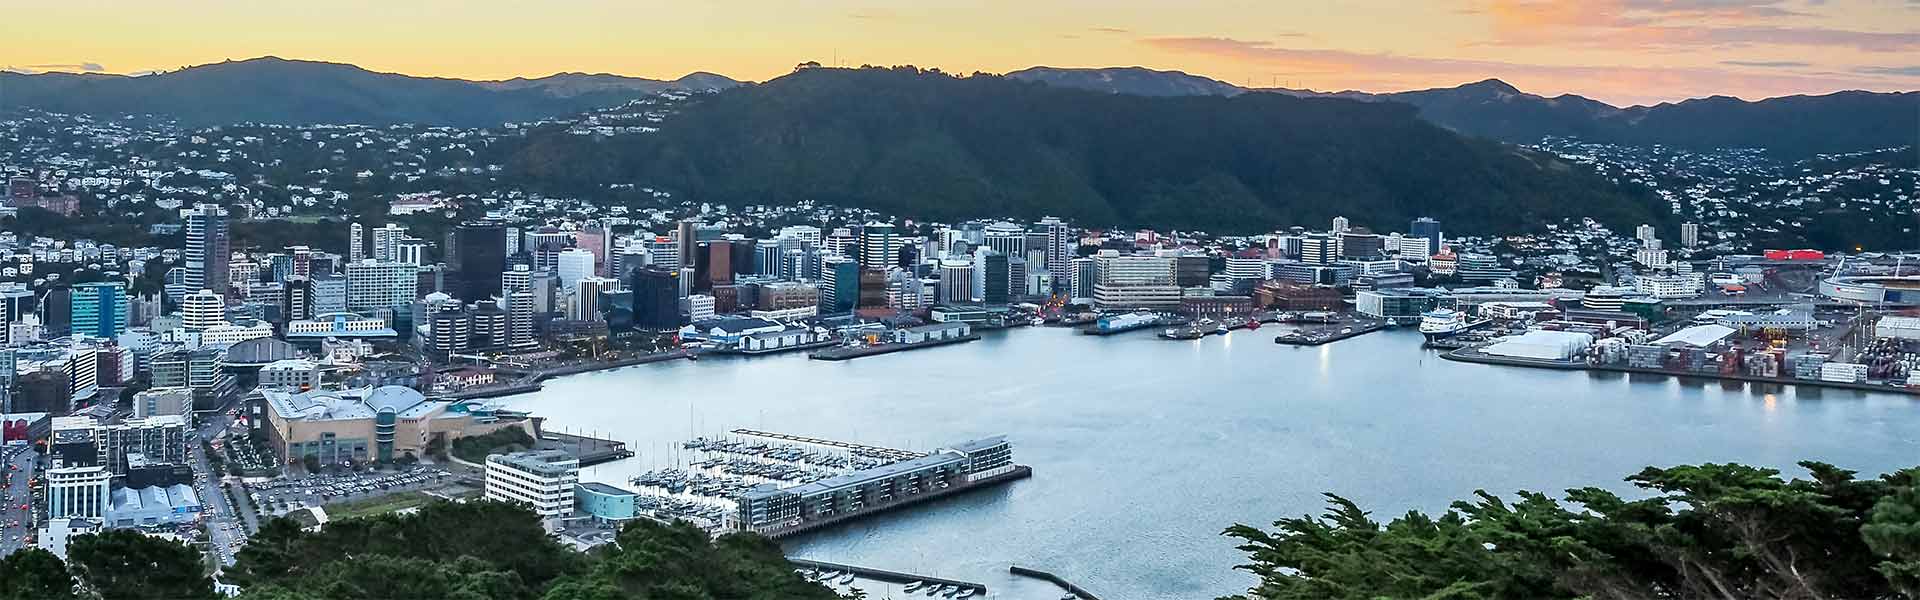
914,583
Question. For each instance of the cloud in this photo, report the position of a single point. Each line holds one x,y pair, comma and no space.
1392,72
874,15
1913,71
1674,25
1109,30
91,67
1769,64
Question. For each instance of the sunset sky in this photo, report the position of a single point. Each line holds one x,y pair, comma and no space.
1619,51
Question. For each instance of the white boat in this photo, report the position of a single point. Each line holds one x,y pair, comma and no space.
1441,323
848,578
967,594
913,586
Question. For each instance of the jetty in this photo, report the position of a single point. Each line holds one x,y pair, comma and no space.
859,449
889,576
1474,355
852,352
1328,335
1056,579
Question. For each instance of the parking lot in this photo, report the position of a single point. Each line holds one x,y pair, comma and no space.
281,495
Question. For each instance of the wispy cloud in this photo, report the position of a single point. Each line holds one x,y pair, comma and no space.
1393,72
1766,64
1109,30
91,67
1675,24
1913,71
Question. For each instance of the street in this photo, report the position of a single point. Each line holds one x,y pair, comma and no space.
226,527
16,524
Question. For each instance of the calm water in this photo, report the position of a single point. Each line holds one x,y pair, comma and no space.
1145,449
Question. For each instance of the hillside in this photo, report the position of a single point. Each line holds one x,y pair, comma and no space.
274,90
1792,125
935,146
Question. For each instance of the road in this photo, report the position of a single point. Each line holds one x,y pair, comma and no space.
226,528
16,524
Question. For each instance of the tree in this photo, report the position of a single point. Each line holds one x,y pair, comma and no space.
122,563
34,574
1705,531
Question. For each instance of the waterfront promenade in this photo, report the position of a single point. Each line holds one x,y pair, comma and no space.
1473,355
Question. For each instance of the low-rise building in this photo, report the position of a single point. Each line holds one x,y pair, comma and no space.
544,480
368,424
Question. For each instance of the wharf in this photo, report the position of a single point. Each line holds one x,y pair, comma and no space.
527,381
1318,337
1096,330
1056,579
874,451
889,576
1019,472
852,352
590,450
794,348
1470,355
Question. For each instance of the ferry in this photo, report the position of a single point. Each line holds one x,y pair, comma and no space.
1442,323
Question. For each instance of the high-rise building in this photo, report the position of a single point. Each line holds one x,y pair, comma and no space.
1428,228
879,246
1340,225
656,299
1006,238
412,251
586,297
476,255
326,293
386,242
990,276
1317,249
1645,233
1689,235
596,240
841,242
78,492
1126,282
1061,244
201,310
685,234
806,234
97,309
1080,283
839,285
956,281
573,265
519,304
356,242
207,248
374,284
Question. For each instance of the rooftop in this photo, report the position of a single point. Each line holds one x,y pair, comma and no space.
543,462
361,403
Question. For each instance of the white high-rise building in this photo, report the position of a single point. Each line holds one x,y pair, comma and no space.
373,284
956,281
1060,244
1689,235
201,310
1340,225
356,242
879,246
386,242
411,251
573,265
1645,233
541,479
78,492
519,305
804,233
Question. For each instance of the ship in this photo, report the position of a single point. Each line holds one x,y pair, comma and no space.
1442,323
1112,324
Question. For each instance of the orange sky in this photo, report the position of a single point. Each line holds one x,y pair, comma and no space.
1620,51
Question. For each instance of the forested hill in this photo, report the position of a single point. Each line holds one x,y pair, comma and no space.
275,90
1790,126
932,145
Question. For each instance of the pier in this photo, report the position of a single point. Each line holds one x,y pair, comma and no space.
852,352
590,450
1017,473
1472,355
874,451
1056,579
889,576
1328,335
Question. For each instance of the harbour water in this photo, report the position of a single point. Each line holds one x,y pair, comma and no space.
1144,449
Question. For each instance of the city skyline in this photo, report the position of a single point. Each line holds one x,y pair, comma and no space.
1619,51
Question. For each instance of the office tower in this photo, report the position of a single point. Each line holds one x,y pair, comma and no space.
1061,244
16,306
1006,238
1689,235
201,310
807,234
989,276
476,255
879,246
685,234
767,255
1081,278
956,280
412,251
356,242
97,309
839,284
386,242
841,242
520,319
1429,229
326,294
1127,282
542,480
1481,267
1339,225
490,325
586,297
1356,245
449,324
207,248
373,284
1645,233
596,240
1317,249
794,265
573,265
300,263
656,299
518,278
78,492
